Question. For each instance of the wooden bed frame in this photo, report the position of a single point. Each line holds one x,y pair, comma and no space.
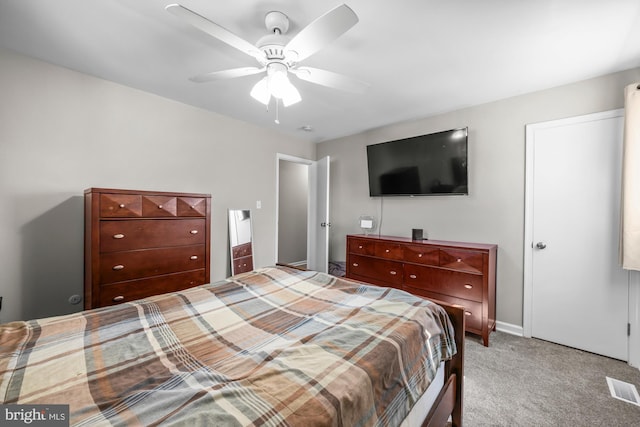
449,400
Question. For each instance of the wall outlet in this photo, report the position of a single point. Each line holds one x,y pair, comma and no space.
75,299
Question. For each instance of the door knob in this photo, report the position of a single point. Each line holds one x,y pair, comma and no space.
541,245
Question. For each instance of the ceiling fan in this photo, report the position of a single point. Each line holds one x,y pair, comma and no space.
279,55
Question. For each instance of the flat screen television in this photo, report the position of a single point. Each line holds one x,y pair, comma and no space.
432,164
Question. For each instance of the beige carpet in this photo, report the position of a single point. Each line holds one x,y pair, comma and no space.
529,382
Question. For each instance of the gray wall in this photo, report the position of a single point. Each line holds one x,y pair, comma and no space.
62,132
494,210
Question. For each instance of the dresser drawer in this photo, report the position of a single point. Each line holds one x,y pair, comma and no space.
362,247
135,289
150,233
457,284
120,266
462,260
159,206
242,265
472,309
242,250
192,206
383,271
388,250
422,254
120,205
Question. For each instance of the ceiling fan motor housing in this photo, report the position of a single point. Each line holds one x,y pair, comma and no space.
273,46
274,43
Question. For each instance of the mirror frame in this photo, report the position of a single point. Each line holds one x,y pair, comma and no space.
240,240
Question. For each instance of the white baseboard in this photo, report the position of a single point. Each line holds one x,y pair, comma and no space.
508,328
298,263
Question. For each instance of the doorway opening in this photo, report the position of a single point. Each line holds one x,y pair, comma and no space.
293,212
291,216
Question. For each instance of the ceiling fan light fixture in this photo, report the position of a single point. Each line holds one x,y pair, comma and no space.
280,86
260,91
276,84
290,95
278,81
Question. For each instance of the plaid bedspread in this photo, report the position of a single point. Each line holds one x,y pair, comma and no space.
273,347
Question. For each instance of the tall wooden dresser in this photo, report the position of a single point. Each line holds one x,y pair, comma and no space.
143,243
452,272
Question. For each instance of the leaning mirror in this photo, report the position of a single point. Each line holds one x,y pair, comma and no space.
240,240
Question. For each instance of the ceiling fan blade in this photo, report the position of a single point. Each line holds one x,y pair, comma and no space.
322,31
226,74
215,30
330,79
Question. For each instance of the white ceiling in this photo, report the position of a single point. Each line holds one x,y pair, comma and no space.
421,57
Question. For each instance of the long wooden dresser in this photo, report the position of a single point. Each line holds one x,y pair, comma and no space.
143,243
452,272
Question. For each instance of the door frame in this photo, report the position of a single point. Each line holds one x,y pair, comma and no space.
527,307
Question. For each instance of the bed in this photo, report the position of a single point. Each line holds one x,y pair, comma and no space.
274,347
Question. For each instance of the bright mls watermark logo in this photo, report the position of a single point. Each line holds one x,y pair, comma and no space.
34,415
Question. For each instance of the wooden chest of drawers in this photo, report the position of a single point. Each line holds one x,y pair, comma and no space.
452,272
143,243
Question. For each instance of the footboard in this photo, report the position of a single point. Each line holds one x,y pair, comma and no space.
449,400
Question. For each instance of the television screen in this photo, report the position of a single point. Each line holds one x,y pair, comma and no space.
432,164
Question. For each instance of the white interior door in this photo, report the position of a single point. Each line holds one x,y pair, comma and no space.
319,221
576,293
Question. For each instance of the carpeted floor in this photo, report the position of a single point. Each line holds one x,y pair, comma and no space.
529,382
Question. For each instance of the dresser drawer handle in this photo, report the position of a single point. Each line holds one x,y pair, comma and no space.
387,250
467,313
413,276
118,298
121,205
159,206
459,260
419,255
193,257
194,232
118,267
393,273
355,264
468,286
360,247
118,236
